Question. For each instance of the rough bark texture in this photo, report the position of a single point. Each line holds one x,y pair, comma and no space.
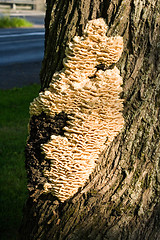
121,198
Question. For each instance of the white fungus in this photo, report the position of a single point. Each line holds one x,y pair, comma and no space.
90,97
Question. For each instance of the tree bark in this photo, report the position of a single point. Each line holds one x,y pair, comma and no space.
121,198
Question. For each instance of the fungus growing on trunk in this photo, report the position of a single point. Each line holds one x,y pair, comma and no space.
87,90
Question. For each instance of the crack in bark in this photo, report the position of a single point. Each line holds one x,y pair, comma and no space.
130,45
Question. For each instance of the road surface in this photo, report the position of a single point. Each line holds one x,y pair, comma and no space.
21,54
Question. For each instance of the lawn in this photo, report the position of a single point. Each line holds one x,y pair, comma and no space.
14,117
7,22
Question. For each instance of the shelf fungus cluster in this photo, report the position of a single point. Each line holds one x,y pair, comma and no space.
87,89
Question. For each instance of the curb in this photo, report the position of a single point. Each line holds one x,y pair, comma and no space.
21,13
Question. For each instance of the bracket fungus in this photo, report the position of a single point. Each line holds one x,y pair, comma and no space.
89,95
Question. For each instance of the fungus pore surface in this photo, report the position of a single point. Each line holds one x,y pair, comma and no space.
87,90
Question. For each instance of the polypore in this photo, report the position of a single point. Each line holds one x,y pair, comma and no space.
90,97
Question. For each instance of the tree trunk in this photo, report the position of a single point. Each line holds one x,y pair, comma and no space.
121,198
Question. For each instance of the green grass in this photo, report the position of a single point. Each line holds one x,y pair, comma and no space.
7,22
14,117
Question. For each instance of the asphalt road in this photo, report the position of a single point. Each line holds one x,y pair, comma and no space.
21,54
